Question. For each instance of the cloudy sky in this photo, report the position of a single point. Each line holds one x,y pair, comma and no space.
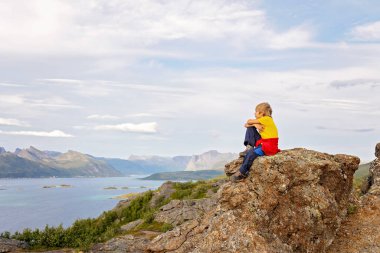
117,77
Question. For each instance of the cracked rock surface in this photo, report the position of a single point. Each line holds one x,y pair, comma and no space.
294,201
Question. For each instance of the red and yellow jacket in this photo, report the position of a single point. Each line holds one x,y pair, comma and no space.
269,141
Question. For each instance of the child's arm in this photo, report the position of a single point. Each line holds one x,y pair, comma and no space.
253,121
258,126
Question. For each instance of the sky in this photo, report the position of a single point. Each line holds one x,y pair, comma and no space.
114,78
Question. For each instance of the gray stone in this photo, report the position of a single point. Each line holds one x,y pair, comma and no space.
374,177
177,212
127,243
132,225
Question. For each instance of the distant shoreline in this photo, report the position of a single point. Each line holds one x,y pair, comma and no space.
185,175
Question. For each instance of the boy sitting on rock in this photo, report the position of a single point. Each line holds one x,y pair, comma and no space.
258,144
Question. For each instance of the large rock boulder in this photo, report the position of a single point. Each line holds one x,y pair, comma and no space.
291,202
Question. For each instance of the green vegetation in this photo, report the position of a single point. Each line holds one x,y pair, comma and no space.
85,232
153,226
351,209
191,190
362,171
357,183
360,176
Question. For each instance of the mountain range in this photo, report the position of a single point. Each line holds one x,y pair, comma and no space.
32,162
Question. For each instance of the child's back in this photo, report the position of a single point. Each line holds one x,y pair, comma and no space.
258,144
269,136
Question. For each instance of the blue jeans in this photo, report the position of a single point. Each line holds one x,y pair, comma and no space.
251,136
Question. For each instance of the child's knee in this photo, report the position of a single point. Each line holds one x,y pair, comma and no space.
251,155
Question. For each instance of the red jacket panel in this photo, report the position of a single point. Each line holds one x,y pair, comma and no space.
269,146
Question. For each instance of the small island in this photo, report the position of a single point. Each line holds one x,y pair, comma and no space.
110,188
58,186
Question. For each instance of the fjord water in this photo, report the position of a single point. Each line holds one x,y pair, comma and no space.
25,203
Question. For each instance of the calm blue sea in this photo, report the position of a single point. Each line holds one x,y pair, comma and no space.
24,203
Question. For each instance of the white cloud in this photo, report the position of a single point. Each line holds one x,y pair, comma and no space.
151,138
12,85
119,26
32,101
159,89
367,32
54,133
85,88
102,117
13,122
61,80
150,127
12,99
298,37
137,115
373,83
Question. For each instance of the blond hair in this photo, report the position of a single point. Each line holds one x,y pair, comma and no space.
264,108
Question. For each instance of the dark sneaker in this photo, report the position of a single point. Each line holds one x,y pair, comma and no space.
244,153
237,177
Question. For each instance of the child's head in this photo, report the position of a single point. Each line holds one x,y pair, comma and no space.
263,109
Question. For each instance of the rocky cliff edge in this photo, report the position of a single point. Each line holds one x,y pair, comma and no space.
294,201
